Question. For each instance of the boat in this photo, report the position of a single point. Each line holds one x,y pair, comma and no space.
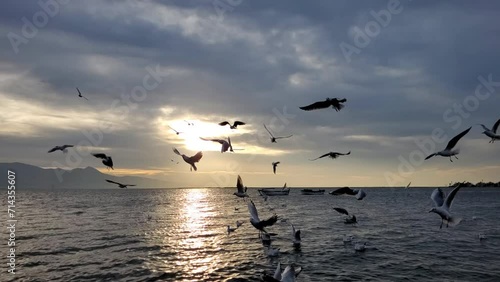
274,191
312,191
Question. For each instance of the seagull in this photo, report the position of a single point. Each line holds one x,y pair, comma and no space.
442,206
120,184
256,222
189,123
273,252
275,164
332,155
482,237
176,132
358,193
242,191
408,186
80,94
295,236
358,247
63,148
351,220
275,277
448,151
493,132
190,160
238,223
106,160
347,239
234,126
290,273
226,145
341,210
265,238
273,139
229,229
335,103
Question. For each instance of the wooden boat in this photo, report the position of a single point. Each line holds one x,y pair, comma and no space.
312,192
274,191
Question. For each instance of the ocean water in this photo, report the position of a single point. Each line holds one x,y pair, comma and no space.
180,235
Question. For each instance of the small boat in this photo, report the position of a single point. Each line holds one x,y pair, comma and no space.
274,191
312,192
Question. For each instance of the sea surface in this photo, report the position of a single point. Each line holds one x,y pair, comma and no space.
180,235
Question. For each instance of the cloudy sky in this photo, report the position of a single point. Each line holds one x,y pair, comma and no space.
414,73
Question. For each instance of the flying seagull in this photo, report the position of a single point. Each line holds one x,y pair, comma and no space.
256,222
448,151
275,164
189,123
120,184
234,126
408,186
341,210
358,193
242,191
335,103
63,148
80,94
493,132
190,160
273,139
176,132
332,155
442,206
106,160
226,145
296,237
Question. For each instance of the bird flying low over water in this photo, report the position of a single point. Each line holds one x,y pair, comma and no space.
80,94
234,126
106,160
256,222
296,236
448,151
273,138
176,132
358,193
120,184
332,155
190,160
288,275
442,206
226,145
275,164
492,133
341,210
241,190
63,148
335,103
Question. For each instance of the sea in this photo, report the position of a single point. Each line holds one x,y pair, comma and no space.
181,235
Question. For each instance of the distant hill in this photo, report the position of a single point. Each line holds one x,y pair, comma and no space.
34,177
479,184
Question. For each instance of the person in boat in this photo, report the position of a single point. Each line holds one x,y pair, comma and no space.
350,220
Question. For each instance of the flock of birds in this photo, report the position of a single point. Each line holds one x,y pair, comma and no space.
442,203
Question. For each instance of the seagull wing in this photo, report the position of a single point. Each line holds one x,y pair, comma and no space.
484,127
336,103
236,123
495,127
53,149
177,152
277,272
360,195
341,210
117,183
437,197
283,137
100,156
268,131
316,106
289,274
67,146
451,196
220,141
224,123
455,139
239,185
322,156
196,158
253,211
430,156
79,93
